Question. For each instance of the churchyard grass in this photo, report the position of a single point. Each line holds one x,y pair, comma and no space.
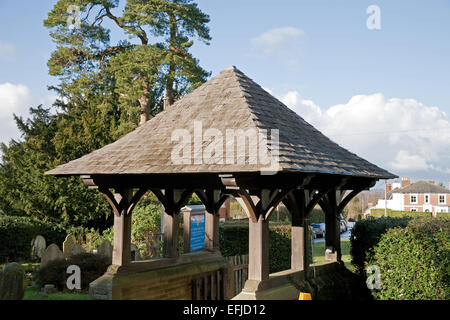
319,253
32,293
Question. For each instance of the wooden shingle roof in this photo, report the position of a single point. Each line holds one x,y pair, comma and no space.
230,100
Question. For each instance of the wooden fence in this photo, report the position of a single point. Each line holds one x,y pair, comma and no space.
209,286
239,270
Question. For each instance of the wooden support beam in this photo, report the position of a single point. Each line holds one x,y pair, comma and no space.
299,203
170,235
122,202
258,267
333,203
173,200
213,200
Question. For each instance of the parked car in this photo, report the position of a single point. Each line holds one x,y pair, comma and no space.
317,230
343,226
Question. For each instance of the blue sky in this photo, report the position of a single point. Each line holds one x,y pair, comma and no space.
384,94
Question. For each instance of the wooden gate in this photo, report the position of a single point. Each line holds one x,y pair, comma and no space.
209,286
239,271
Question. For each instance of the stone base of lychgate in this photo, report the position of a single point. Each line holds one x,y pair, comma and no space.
165,279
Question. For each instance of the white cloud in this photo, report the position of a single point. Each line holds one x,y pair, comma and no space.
284,43
7,50
403,160
16,99
402,135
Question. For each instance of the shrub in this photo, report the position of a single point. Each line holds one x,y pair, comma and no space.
414,262
54,272
16,234
91,265
366,234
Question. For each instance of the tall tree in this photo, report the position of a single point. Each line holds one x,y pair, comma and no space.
152,62
106,89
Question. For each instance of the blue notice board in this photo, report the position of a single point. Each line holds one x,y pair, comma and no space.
197,232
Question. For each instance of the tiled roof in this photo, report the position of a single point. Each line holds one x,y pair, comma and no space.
421,186
230,100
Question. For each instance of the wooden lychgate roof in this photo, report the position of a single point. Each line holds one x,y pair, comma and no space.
230,100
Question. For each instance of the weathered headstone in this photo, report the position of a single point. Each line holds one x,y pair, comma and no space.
68,243
135,254
38,246
75,249
49,289
11,282
50,254
105,249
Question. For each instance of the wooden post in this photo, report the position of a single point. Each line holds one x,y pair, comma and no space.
258,266
187,230
298,248
122,240
171,226
122,230
332,229
211,231
212,220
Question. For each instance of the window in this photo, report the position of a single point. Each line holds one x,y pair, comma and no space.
427,198
413,198
442,199
427,210
413,210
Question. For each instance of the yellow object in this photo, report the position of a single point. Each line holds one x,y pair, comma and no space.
304,296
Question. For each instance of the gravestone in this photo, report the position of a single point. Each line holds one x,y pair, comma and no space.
135,254
68,244
38,246
105,249
49,289
50,254
75,249
11,282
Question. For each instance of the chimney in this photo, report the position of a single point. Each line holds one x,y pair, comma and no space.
431,181
388,187
405,181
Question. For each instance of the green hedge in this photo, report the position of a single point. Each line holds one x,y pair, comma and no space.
414,261
233,240
398,214
16,234
366,234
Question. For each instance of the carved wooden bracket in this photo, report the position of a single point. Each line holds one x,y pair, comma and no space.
173,199
212,199
123,201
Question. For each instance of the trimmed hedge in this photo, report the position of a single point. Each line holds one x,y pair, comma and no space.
366,234
16,234
414,261
233,240
397,214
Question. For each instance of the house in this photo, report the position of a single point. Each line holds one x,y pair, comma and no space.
420,196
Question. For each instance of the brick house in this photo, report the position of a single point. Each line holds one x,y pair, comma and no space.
420,196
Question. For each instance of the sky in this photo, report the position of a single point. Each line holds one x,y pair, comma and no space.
378,85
